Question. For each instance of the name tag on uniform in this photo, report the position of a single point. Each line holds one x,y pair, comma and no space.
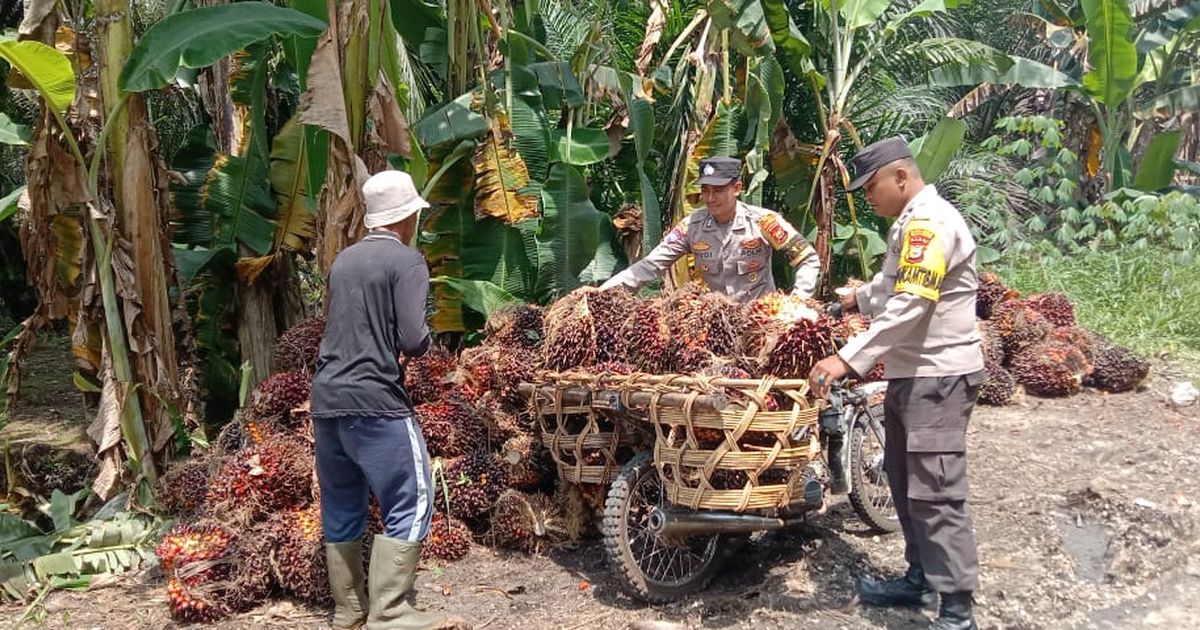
752,243
701,246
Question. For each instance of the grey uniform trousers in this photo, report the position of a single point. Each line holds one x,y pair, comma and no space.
926,462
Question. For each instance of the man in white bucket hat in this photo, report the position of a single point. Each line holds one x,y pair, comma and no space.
368,440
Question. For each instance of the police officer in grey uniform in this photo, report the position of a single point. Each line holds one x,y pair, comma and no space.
731,240
923,329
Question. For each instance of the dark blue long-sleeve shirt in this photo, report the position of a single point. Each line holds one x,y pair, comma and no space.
377,293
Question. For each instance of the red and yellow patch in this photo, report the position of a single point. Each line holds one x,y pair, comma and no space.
922,261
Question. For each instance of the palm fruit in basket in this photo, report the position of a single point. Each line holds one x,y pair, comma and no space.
1050,369
991,293
700,319
519,326
449,540
999,387
609,310
274,475
275,397
297,348
450,427
298,557
1019,326
475,481
1117,369
526,522
646,337
793,352
570,332
1055,307
723,479
476,372
427,378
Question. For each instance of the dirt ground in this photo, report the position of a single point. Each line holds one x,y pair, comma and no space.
1087,514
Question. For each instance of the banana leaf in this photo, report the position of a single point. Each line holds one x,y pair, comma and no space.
530,125
560,87
1111,52
581,146
570,232
747,25
451,123
939,147
500,176
295,209
11,132
1158,164
45,68
480,295
199,37
641,122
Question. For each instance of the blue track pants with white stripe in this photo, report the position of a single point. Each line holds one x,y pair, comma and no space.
385,455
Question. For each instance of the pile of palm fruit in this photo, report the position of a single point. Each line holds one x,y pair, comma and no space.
1035,343
248,507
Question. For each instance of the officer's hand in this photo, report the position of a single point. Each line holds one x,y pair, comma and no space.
850,301
824,373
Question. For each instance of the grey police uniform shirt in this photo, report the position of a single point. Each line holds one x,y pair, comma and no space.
922,304
733,258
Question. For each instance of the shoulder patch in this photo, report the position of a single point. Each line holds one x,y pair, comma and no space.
922,264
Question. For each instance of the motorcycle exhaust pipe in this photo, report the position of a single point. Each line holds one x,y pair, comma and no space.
673,523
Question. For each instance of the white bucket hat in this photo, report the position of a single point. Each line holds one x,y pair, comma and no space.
391,198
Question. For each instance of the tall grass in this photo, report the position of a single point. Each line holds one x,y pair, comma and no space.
1143,299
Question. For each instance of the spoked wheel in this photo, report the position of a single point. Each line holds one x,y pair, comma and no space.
650,567
870,494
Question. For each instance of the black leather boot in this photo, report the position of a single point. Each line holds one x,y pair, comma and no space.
955,613
910,590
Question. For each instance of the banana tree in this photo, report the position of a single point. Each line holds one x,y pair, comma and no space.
1138,69
62,182
853,40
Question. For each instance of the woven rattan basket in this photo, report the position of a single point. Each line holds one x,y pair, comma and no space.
720,444
587,446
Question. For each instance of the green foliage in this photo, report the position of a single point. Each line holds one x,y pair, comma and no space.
1145,298
1134,221
200,37
69,553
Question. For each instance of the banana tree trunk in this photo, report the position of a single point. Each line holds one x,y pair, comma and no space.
137,185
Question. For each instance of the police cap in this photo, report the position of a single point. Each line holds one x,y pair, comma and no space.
874,157
719,171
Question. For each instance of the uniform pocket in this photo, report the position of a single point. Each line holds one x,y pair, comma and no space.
937,476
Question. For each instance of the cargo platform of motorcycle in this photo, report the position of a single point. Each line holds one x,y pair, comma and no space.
688,463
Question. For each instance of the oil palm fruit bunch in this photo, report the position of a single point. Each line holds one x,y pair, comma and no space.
476,373
196,559
427,378
474,481
1050,369
275,397
298,556
1078,337
993,344
570,340
1055,307
251,578
991,292
274,475
1117,369
646,337
519,326
610,308
449,539
700,319
526,522
297,348
769,316
514,367
182,490
793,352
526,462
1019,326
500,423
450,427
999,387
